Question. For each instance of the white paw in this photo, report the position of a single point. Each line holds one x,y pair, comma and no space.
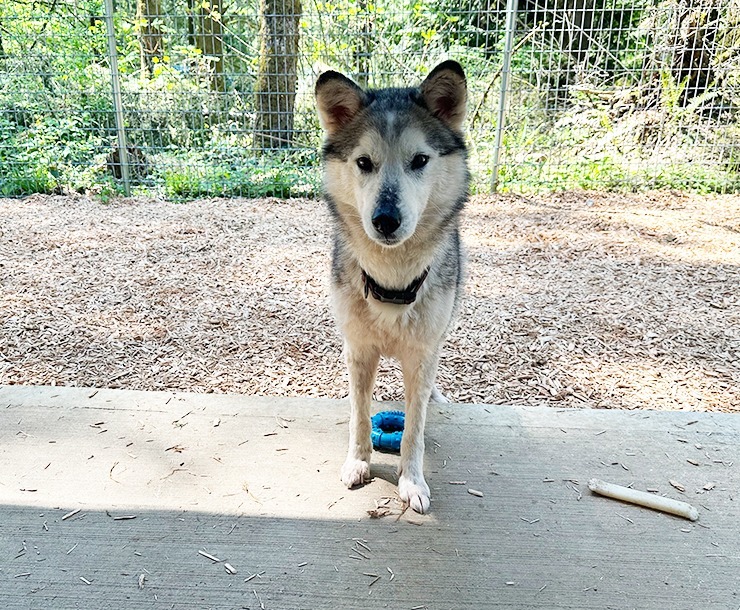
355,472
437,396
415,493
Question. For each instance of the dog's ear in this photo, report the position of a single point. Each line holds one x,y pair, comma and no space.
445,93
338,100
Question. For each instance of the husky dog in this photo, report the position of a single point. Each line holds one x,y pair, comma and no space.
395,179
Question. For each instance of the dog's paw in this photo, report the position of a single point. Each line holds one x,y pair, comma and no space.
355,472
415,493
437,396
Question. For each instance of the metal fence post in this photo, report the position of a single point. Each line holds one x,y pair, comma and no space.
512,7
117,101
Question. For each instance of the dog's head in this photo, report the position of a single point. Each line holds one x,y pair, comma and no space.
395,156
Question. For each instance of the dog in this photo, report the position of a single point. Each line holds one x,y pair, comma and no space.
395,180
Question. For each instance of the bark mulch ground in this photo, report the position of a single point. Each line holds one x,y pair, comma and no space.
573,299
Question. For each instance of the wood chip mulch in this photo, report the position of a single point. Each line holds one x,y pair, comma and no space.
572,300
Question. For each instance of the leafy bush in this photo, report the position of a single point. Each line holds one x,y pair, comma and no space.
277,176
652,101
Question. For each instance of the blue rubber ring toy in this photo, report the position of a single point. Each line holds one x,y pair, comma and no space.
387,430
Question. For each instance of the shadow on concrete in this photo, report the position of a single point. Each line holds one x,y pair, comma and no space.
261,491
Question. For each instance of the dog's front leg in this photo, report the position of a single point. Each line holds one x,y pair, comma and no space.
362,364
419,371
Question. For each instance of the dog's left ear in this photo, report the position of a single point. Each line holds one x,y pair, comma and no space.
445,93
338,100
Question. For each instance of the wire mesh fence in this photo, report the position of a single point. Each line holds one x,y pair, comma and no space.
216,96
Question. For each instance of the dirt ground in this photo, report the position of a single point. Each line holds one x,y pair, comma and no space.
572,300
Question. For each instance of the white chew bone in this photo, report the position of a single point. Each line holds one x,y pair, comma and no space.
642,498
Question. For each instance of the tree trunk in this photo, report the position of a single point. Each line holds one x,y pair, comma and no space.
577,28
363,50
277,77
693,42
209,38
149,12
191,10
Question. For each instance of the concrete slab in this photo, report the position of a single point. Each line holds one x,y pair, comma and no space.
254,482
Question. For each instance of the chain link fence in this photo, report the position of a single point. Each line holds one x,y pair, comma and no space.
198,98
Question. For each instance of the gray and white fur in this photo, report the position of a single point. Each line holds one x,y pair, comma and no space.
396,180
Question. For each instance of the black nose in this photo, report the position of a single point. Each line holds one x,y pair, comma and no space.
386,221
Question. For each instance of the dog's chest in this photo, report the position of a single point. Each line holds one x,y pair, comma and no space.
392,329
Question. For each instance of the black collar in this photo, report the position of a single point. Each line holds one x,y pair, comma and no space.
397,297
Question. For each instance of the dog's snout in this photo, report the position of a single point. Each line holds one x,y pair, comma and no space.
386,216
386,221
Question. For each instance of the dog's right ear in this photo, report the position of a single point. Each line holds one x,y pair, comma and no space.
338,100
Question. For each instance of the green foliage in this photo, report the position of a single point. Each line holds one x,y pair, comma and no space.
17,183
278,176
46,153
612,175
671,91
616,109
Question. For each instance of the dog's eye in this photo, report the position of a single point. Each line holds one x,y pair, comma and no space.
365,164
419,161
